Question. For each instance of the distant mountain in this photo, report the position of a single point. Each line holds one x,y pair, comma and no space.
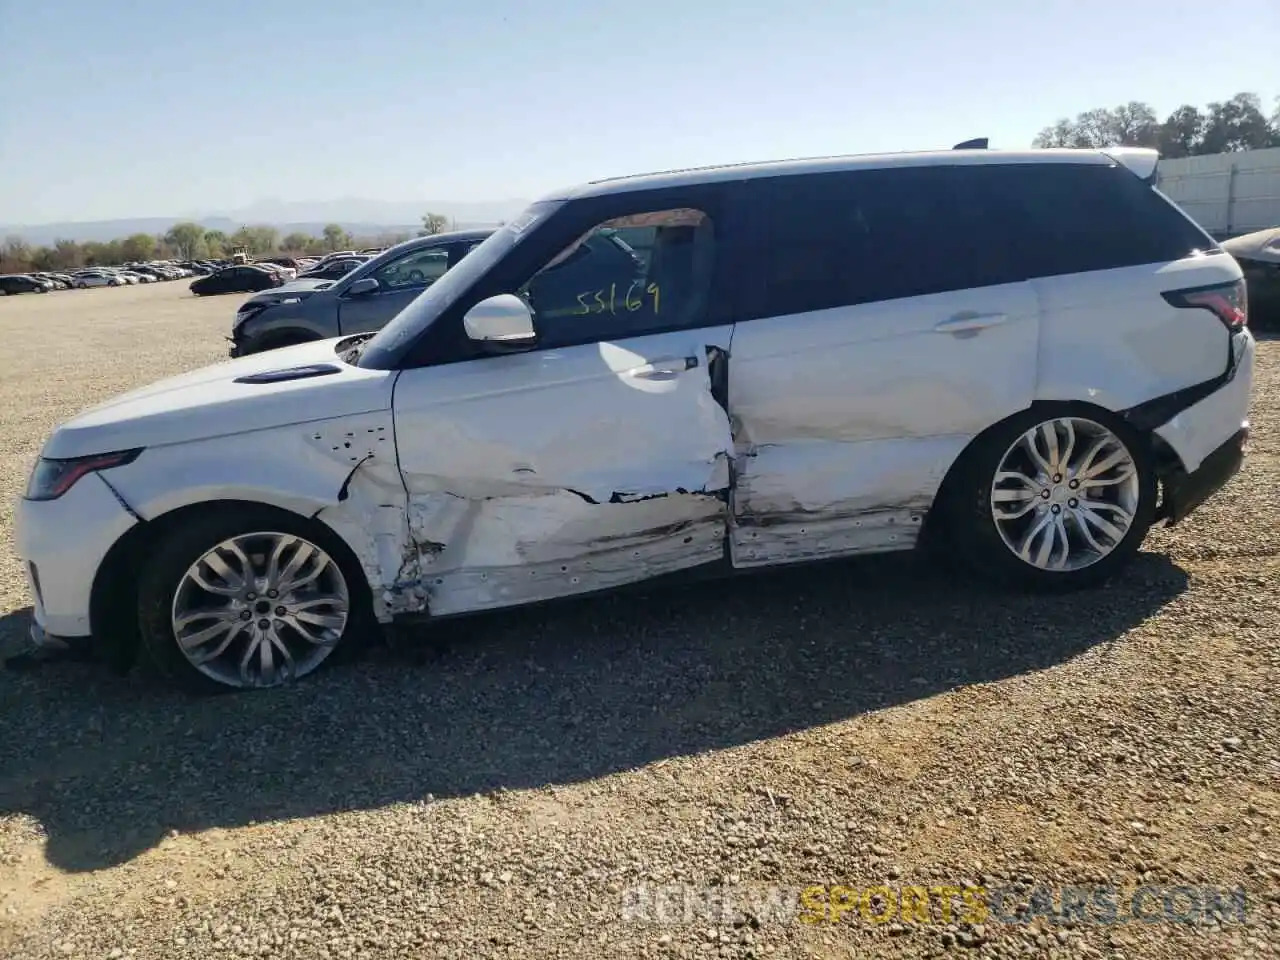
358,217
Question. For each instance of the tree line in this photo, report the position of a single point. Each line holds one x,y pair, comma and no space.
1227,126
187,241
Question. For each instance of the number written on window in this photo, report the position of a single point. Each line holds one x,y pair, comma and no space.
614,299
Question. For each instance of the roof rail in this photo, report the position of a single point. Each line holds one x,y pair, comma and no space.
978,143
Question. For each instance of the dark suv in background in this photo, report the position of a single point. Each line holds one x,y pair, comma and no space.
1259,257
361,301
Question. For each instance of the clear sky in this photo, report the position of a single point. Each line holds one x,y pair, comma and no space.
176,108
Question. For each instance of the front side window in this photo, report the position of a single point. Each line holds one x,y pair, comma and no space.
393,343
602,287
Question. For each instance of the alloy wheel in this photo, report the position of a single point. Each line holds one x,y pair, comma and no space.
260,610
1066,494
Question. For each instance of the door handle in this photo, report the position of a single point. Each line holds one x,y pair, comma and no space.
967,320
665,369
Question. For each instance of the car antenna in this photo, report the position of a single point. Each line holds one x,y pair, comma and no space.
979,143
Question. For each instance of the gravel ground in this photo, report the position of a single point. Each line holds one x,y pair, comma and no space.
505,790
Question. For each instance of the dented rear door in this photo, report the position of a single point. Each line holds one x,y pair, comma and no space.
883,330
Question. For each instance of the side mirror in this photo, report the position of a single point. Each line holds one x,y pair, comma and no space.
362,287
501,324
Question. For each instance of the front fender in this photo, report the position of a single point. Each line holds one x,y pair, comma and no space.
341,472
301,467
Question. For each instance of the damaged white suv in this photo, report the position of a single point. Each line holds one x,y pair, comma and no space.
1032,355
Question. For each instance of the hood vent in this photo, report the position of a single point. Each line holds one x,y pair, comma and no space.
290,373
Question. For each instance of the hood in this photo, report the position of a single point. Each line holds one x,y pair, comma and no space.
259,392
1264,245
294,288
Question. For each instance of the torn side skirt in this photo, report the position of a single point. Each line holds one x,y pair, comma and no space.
511,551
800,535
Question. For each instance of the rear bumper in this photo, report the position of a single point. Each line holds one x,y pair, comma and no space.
1195,431
1184,492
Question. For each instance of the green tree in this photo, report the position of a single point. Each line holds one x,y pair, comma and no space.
433,223
1233,125
257,240
296,242
1182,133
215,242
1132,124
336,238
66,255
187,238
1238,124
139,246
16,256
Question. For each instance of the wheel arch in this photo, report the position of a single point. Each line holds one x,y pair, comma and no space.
1163,456
113,614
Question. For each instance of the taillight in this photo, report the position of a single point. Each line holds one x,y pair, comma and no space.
1229,302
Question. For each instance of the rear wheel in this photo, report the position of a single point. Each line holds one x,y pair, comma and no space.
246,598
1056,498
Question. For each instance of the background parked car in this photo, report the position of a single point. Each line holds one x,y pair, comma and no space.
334,269
95,278
363,300
246,277
15,283
287,273
55,281
1259,257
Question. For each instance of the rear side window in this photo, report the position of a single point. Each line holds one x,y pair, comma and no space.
830,240
1062,218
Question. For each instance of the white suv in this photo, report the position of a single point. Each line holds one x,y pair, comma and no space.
1031,356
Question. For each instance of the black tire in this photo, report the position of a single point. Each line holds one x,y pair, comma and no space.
972,539
169,559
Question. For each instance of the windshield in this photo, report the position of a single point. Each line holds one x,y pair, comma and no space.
409,323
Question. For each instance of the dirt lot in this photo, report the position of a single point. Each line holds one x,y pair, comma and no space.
505,794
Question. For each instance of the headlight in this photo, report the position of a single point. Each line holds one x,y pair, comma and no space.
52,478
248,312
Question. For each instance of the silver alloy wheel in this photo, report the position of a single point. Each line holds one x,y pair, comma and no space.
1065,494
260,609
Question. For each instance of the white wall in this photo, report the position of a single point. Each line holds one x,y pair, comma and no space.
1226,193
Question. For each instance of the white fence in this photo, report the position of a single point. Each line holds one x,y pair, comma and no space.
1226,193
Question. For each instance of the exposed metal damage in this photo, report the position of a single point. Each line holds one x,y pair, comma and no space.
812,499
501,551
369,510
497,514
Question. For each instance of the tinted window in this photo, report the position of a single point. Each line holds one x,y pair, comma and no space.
1070,218
416,269
830,240
600,287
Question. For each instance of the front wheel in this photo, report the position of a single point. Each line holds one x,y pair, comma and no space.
1054,499
245,599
